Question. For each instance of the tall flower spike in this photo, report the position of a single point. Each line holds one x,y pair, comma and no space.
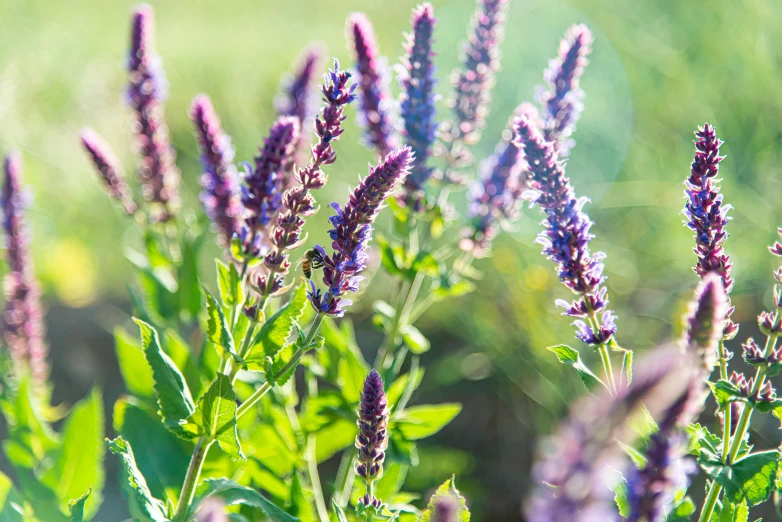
220,195
495,198
705,321
298,98
109,168
651,490
352,230
473,83
145,94
372,439
417,106
23,328
561,98
706,214
297,202
566,236
574,473
375,99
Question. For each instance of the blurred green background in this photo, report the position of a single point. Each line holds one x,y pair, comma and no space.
659,69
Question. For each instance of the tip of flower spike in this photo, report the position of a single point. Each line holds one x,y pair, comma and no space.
12,167
143,27
362,35
580,34
423,12
373,381
708,313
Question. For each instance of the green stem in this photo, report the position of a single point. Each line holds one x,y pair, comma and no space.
191,478
726,416
346,477
371,495
253,399
317,489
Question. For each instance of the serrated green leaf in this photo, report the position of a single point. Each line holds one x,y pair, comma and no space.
570,356
418,422
218,331
278,328
136,372
414,339
30,438
229,284
638,458
76,507
171,391
150,507
233,494
751,478
621,497
215,417
301,501
447,489
703,442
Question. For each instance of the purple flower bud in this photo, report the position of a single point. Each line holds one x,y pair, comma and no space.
109,168
417,106
145,94
473,83
446,509
561,98
23,327
769,324
220,195
297,202
372,439
566,236
375,99
753,354
352,229
212,510
707,314
575,474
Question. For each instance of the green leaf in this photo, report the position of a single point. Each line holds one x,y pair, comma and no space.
171,391
278,328
352,372
398,387
30,438
725,392
418,422
414,339
448,489
392,256
232,494
218,331
683,510
76,507
187,274
426,263
13,507
228,281
334,438
703,442
338,511
150,507
78,466
570,356
751,478
731,512
394,474
215,417
638,458
136,373
301,501
622,498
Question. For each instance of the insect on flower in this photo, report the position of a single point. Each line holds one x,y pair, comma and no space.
312,259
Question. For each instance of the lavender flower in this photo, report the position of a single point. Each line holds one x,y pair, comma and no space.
375,100
297,202
495,198
575,472
23,328
264,184
352,230
707,315
651,490
706,214
417,78
145,94
566,236
473,83
372,439
220,195
109,168
561,98
298,98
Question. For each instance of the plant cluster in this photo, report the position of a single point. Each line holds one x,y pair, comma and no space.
235,397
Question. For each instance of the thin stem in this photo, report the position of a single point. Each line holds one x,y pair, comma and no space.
346,477
191,478
606,359
726,416
317,489
370,495
390,337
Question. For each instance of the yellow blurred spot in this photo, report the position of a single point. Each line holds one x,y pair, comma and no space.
536,277
73,273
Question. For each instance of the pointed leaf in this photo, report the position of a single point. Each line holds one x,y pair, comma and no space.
215,416
751,478
150,507
571,357
133,366
76,507
352,372
217,327
279,327
418,422
232,494
448,489
228,281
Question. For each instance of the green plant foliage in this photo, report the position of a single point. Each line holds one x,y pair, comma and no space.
567,355
447,489
418,422
215,417
233,494
143,505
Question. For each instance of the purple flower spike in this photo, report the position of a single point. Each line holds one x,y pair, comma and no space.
473,83
651,490
706,214
705,322
375,99
352,229
109,168
561,98
496,197
372,439
298,98
145,94
23,328
297,202
566,236
417,78
220,180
